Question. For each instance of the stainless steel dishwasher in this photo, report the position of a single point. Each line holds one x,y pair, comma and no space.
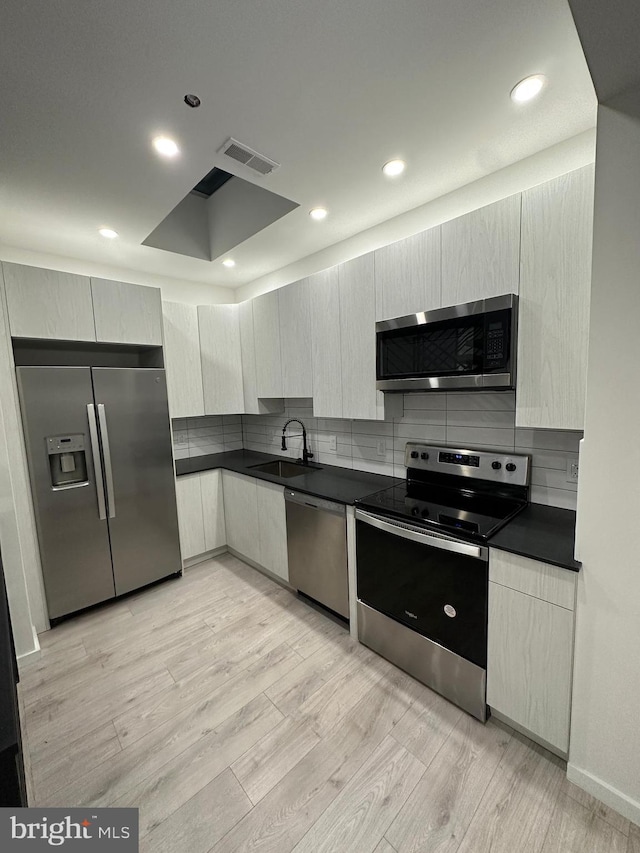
317,548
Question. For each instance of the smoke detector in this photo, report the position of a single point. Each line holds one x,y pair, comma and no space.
248,157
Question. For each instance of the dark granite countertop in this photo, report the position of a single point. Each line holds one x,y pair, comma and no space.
543,533
342,485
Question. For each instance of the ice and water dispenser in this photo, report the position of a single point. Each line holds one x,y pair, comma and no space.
67,460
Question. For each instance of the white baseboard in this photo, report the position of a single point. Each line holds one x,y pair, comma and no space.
32,656
609,795
202,558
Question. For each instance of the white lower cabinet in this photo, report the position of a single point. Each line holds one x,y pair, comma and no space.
272,524
190,518
530,646
200,513
213,510
241,514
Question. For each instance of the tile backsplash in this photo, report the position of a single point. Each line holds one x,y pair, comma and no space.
209,434
482,420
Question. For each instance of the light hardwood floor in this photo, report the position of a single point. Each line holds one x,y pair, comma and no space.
237,718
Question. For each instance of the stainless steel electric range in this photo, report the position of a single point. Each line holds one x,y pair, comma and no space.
423,565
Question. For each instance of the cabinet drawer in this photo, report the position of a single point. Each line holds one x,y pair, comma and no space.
541,580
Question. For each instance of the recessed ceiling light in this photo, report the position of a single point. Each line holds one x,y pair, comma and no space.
393,168
109,233
228,262
165,146
528,88
318,213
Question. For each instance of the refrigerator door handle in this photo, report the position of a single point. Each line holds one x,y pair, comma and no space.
106,452
97,464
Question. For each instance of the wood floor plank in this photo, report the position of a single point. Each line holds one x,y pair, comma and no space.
634,839
439,811
117,775
426,725
330,661
358,816
51,664
64,720
77,756
287,812
576,829
614,818
86,625
265,764
315,637
198,824
164,791
515,812
384,847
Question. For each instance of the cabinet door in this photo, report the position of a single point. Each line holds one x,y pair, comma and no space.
266,330
272,524
326,361
182,360
221,359
557,226
190,521
127,313
358,340
48,304
213,510
295,339
241,514
481,253
529,655
408,276
248,351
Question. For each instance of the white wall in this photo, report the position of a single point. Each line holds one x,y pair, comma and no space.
173,290
604,755
544,166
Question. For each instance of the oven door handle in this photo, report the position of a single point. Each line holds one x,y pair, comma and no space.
414,534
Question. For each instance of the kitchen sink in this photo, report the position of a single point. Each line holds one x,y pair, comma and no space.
284,469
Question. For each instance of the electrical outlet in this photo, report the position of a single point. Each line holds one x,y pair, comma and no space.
333,442
572,471
382,448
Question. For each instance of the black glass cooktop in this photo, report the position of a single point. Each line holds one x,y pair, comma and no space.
464,512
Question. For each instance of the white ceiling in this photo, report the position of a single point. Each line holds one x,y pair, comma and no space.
329,89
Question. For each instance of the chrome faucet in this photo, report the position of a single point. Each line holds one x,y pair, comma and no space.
306,453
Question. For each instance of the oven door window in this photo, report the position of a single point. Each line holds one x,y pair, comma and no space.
439,594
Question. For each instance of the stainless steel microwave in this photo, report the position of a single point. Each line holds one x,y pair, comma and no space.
465,347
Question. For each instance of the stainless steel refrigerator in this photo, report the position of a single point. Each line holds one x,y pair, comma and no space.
99,450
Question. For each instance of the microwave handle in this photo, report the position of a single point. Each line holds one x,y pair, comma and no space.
414,534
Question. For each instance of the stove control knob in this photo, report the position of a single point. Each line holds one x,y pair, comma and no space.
415,510
424,456
496,465
414,454
510,466
425,513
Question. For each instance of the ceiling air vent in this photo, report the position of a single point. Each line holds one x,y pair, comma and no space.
248,157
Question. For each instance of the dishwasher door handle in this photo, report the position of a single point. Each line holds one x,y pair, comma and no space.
423,537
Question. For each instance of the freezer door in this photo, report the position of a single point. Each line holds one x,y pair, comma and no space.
139,479
73,538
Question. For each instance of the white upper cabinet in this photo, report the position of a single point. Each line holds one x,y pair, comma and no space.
481,253
326,360
182,360
358,340
408,276
295,339
48,304
248,351
221,359
555,288
266,331
126,313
